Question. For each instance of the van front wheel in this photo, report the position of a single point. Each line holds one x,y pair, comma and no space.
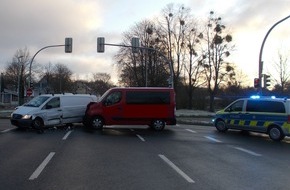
158,125
38,125
97,123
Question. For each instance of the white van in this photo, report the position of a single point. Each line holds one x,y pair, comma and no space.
52,110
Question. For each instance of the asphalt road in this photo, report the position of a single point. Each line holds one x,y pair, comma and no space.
180,157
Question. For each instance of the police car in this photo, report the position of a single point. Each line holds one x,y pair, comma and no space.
268,115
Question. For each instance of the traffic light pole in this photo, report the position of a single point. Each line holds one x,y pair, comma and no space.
30,64
68,49
261,52
171,80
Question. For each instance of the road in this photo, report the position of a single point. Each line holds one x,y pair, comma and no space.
180,157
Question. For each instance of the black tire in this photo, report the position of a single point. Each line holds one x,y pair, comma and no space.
38,125
158,125
221,126
275,133
97,123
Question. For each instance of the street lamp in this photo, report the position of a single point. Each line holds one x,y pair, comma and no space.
20,81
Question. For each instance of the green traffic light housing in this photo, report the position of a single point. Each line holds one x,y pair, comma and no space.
267,81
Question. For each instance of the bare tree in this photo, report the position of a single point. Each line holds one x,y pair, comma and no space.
282,69
101,83
217,48
171,31
193,60
102,76
58,78
17,69
147,67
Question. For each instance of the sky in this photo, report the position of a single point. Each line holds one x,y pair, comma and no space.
35,24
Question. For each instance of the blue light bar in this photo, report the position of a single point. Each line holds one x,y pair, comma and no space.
255,97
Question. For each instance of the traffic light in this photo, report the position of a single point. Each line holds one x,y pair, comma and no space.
31,85
101,45
135,45
267,81
68,45
257,83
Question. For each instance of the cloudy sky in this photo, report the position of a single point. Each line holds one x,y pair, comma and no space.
38,23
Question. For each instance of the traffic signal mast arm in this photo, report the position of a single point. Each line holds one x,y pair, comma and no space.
135,47
68,49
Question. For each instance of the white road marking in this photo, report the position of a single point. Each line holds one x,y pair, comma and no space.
132,130
140,137
213,139
173,166
7,130
246,151
189,130
37,172
66,135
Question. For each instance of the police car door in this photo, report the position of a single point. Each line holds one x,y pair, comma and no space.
236,114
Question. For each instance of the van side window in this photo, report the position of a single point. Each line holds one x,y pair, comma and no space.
265,106
142,97
113,98
53,103
237,106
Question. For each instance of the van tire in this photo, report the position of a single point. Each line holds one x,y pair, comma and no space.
220,125
158,125
97,123
38,125
275,133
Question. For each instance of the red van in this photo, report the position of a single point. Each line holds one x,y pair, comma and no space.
133,106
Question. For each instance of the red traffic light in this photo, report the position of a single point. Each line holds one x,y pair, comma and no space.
257,83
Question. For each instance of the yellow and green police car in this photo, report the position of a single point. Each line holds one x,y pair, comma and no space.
268,115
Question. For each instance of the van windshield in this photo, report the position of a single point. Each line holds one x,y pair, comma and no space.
104,95
37,101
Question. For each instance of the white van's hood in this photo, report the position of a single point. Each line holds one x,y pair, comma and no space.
25,110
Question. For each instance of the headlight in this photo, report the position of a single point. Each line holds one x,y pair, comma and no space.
26,117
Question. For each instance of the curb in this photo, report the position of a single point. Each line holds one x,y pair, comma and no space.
194,122
5,114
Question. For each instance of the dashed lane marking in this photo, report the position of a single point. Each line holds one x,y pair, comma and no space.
213,139
66,135
246,151
38,171
189,130
174,167
7,130
140,137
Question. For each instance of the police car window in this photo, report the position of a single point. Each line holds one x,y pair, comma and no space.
265,106
237,106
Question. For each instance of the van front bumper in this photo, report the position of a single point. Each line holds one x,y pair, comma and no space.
16,120
21,122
